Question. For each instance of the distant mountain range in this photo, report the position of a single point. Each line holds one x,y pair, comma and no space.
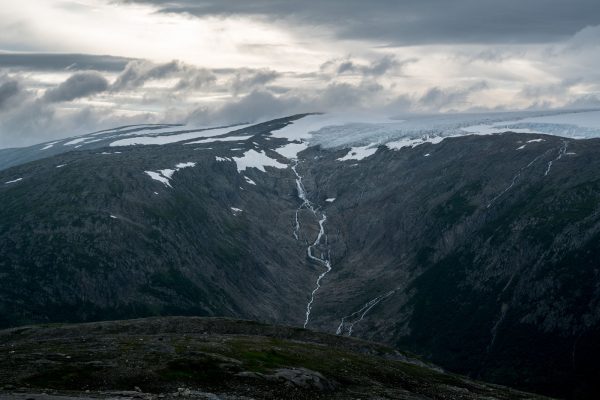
478,251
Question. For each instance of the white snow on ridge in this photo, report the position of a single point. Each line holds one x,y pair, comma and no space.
256,159
158,177
574,124
400,144
222,159
185,165
292,149
224,139
167,139
75,141
337,132
165,175
13,181
48,146
359,153
250,181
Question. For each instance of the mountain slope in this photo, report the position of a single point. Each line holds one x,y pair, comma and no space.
477,252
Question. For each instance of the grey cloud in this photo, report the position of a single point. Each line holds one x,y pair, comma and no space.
246,79
583,102
196,79
559,89
8,90
137,73
344,95
256,105
436,98
79,85
261,104
52,62
412,21
376,68
34,121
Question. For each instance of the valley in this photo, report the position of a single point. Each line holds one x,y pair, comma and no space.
475,252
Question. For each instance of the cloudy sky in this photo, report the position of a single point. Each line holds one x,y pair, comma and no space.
73,66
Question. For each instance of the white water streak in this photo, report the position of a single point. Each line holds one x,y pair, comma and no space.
514,180
561,152
360,314
323,260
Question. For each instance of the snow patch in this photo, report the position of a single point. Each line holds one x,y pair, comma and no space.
521,148
75,141
236,211
167,139
359,153
60,166
48,146
250,181
13,181
165,175
330,200
291,150
224,139
256,159
221,159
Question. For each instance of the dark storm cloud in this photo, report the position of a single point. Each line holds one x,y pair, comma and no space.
413,21
52,62
78,85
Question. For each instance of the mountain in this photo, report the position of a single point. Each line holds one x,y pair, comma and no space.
476,251
216,358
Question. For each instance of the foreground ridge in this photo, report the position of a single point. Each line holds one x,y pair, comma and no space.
216,358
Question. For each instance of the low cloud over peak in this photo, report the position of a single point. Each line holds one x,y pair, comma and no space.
78,85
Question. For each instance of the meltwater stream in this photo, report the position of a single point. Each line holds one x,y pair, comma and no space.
323,259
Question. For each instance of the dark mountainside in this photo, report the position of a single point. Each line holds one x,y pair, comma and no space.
206,358
475,255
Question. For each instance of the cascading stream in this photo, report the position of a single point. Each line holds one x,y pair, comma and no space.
323,259
359,315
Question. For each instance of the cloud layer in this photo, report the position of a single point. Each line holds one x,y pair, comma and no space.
220,62
411,22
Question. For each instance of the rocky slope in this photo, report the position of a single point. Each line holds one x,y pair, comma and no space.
217,359
479,253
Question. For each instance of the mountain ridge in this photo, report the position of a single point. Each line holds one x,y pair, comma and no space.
461,250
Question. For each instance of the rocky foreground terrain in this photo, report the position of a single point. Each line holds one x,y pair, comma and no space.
215,358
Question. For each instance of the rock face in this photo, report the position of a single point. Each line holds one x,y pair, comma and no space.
216,359
476,253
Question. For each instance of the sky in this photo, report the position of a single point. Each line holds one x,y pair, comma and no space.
69,67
